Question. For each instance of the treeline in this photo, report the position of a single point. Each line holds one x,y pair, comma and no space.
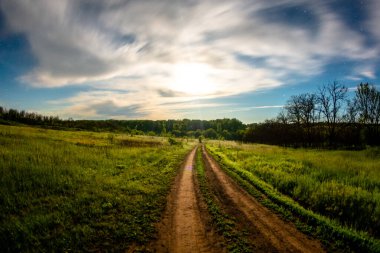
228,129
326,118
29,118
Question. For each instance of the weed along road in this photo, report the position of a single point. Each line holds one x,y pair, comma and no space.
182,229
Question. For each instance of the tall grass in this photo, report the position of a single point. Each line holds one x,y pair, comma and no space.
81,191
343,185
272,170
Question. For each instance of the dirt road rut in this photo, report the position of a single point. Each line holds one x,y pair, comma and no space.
268,232
186,225
182,228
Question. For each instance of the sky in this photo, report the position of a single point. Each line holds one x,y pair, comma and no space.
175,59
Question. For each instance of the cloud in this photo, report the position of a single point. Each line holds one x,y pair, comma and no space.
169,93
129,52
368,74
110,109
366,71
266,106
100,104
374,21
249,108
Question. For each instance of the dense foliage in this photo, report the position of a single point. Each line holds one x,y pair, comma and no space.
228,129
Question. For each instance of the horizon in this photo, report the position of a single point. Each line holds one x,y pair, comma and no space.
149,60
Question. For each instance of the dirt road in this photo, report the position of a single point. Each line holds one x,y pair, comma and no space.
268,232
183,228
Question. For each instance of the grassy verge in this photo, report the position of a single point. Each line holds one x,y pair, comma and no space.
235,240
342,185
332,234
81,191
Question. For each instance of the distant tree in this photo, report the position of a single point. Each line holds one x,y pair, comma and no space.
367,100
293,109
219,127
151,133
211,133
368,103
308,108
282,118
239,135
198,133
226,135
331,98
177,133
190,134
301,110
351,112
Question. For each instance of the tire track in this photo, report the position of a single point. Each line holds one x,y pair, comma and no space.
269,232
182,228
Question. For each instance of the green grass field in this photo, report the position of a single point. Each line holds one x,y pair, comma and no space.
82,191
341,185
86,191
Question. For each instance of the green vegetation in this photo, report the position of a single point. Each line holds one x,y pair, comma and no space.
330,194
327,118
81,191
228,129
235,240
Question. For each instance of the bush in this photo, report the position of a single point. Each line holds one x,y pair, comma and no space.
173,141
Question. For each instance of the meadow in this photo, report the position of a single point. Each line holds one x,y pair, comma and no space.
82,191
343,186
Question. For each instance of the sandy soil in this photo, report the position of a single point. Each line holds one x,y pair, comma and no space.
183,228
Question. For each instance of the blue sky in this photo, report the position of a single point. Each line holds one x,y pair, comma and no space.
171,59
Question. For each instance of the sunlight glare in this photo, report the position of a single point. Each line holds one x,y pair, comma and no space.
192,79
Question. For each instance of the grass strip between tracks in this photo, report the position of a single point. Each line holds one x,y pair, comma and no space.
235,240
334,236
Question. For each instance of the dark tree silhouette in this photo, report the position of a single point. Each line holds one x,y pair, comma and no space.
331,98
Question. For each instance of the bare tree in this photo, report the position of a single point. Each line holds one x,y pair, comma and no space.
367,101
282,118
331,98
376,108
351,112
301,109
293,109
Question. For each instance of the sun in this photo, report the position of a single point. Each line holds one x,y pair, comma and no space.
192,79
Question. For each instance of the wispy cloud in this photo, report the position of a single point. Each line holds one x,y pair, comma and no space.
99,104
364,71
139,55
368,74
249,108
266,106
